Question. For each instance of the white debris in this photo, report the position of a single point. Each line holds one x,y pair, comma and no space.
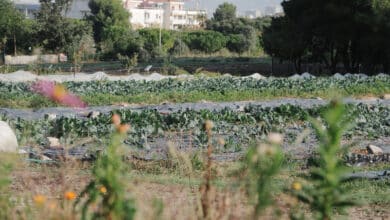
307,75
348,75
362,75
226,75
257,76
18,76
295,76
99,76
338,76
382,75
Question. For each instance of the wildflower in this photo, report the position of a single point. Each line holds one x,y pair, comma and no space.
121,128
57,93
275,138
103,189
116,119
39,199
297,186
70,195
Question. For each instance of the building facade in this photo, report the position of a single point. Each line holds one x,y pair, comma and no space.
167,14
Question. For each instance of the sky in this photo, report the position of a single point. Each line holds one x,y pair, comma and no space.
242,5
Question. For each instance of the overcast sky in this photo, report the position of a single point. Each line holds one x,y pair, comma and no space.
242,5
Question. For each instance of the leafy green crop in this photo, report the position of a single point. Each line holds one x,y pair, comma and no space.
237,128
215,89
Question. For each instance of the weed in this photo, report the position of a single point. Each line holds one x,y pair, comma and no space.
107,189
324,192
263,162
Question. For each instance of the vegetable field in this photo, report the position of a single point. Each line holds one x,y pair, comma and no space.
195,148
211,89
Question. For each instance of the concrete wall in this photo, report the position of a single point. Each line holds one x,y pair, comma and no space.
48,58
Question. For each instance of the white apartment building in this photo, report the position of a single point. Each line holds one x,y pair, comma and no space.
167,14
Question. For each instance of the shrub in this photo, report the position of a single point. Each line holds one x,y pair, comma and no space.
205,41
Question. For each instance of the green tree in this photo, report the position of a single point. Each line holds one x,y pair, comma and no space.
120,41
107,15
27,35
151,41
284,41
244,36
224,19
333,32
10,23
56,32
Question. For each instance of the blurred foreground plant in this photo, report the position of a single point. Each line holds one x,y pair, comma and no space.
57,93
263,162
324,193
107,191
7,162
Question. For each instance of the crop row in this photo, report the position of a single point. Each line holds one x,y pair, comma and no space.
221,85
236,128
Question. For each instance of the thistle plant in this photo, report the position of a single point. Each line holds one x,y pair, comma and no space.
324,192
263,162
107,189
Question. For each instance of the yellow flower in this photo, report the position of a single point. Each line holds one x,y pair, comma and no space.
103,189
39,199
70,195
122,129
296,186
59,92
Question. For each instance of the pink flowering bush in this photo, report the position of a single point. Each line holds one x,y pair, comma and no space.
58,93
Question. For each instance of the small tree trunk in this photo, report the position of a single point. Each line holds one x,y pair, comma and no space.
14,44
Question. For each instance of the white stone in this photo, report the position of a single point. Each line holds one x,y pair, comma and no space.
93,114
51,116
372,149
8,141
53,142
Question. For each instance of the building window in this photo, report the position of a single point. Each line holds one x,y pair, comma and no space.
147,15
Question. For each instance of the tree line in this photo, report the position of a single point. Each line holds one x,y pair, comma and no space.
106,33
353,34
